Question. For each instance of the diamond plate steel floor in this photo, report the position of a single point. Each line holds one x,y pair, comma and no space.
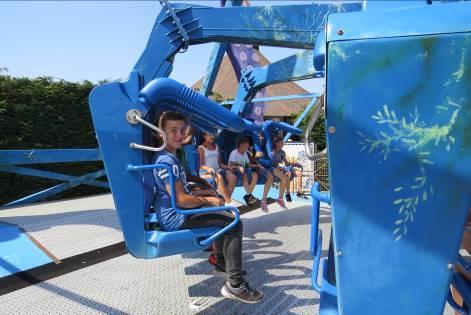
276,258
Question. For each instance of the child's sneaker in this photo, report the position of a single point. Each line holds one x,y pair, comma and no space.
281,203
247,200
288,197
264,206
253,199
299,194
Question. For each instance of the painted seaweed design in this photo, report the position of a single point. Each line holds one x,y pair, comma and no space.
414,135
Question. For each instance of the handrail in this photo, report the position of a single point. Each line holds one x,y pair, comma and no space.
134,116
307,145
205,242
316,233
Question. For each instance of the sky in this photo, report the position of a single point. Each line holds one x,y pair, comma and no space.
88,40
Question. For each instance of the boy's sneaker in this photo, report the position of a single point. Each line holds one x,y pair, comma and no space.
281,203
264,206
299,194
243,293
288,197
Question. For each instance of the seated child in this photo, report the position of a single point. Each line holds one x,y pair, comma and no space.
285,170
211,164
240,164
262,171
236,287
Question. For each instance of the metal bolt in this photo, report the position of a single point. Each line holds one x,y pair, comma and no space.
340,32
450,266
332,129
339,253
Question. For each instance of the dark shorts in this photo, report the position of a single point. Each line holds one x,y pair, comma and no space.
289,169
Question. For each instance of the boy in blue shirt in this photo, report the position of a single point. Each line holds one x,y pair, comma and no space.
230,244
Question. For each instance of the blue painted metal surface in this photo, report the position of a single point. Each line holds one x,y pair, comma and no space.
213,67
293,26
10,158
399,115
17,252
57,189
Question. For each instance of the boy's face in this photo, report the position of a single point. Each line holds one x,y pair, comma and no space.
175,131
244,146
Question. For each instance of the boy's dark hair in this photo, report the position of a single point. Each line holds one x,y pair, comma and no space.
241,140
166,116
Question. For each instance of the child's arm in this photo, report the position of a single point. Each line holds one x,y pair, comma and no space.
185,200
202,161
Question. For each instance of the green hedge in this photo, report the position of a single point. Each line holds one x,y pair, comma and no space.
45,113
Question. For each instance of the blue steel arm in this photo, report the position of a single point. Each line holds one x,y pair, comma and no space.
215,60
294,26
301,117
296,67
186,212
277,98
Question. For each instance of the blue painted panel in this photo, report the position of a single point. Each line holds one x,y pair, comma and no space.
399,115
17,252
452,17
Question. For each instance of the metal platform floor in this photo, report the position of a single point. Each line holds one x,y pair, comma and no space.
276,258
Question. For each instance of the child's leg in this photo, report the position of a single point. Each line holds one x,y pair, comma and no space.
222,189
231,182
253,181
284,181
268,182
299,180
245,183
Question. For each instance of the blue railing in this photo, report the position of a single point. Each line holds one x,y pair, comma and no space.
11,159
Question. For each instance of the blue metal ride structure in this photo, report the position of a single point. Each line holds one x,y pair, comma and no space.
398,119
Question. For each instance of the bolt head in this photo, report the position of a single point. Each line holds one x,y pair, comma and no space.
340,32
331,129
339,253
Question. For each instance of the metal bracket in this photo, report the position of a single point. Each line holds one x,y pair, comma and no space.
134,117
181,30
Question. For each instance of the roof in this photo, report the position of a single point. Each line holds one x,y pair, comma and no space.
226,86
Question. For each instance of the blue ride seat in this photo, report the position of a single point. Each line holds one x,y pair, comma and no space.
115,108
